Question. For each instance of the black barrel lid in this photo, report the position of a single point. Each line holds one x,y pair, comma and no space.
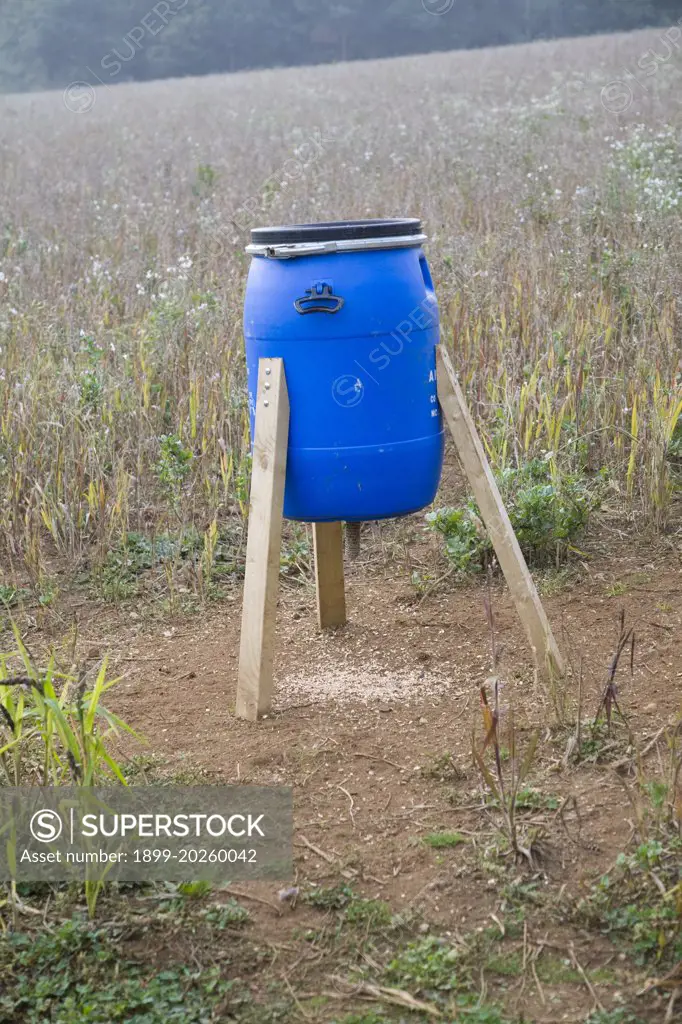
336,231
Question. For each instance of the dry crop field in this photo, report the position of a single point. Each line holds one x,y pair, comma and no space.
515,862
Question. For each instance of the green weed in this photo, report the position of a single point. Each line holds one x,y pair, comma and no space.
55,728
628,905
356,910
617,1016
195,890
508,965
227,915
534,800
428,966
173,466
333,898
443,840
369,914
74,974
548,512
442,769
10,595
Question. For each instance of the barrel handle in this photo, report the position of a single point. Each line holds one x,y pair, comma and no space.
426,273
318,300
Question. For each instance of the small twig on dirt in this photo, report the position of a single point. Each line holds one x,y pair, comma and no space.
581,972
500,925
435,585
670,980
23,908
347,873
647,749
559,1020
671,1008
352,804
569,801
658,883
254,899
45,910
292,707
541,992
370,757
320,853
380,994
306,1016
372,963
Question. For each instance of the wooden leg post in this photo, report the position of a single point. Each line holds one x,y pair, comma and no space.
494,515
261,584
331,597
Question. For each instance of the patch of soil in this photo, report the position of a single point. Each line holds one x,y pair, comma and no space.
372,727
364,716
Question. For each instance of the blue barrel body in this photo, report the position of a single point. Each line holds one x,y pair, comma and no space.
366,433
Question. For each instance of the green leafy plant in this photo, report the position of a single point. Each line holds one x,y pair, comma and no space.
227,915
11,595
329,898
621,1015
173,465
427,966
355,909
206,179
74,973
90,389
639,902
118,578
466,543
295,558
195,890
368,913
444,840
55,729
548,512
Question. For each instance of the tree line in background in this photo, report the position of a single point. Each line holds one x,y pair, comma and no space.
51,43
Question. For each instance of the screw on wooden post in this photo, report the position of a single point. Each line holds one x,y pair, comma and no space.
493,513
331,598
263,549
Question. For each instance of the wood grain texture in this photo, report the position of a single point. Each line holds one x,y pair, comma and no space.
496,519
263,549
331,596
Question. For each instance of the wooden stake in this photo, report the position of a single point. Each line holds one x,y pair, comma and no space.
263,548
331,598
494,515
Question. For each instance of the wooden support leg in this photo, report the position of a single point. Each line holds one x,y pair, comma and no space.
494,515
331,597
261,584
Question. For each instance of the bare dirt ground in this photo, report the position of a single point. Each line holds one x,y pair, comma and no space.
372,728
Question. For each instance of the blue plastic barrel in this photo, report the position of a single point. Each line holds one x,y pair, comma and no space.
350,308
